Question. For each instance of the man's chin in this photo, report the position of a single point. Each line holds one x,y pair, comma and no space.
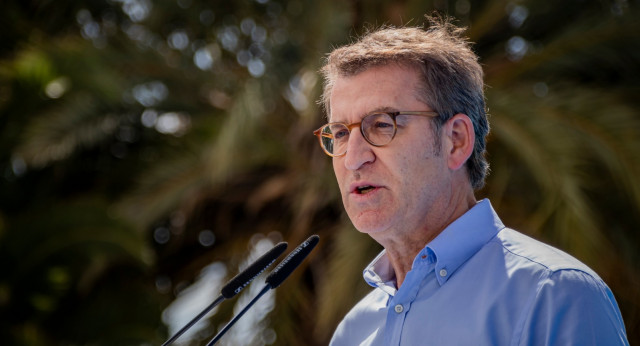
369,223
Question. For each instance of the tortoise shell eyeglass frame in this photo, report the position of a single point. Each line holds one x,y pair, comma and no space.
325,133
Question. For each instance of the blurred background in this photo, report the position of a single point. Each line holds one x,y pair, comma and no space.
150,149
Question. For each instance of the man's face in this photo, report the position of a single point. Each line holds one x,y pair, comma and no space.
409,178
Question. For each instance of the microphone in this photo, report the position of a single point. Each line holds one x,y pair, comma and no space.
291,262
275,278
235,285
240,281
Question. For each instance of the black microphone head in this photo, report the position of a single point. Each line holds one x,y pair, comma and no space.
240,281
291,262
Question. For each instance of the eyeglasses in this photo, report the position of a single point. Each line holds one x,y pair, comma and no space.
378,129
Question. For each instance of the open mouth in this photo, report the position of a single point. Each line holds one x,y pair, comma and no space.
364,189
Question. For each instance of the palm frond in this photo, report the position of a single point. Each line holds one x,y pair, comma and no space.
77,123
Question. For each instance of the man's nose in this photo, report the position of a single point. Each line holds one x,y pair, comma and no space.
359,151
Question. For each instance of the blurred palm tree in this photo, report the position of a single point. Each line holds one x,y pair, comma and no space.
145,140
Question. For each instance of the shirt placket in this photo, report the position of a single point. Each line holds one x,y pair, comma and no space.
399,305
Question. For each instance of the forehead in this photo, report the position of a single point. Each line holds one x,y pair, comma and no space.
381,88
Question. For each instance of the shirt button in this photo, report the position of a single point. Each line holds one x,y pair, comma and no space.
399,308
443,272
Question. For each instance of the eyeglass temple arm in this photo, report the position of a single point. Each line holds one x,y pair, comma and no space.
323,134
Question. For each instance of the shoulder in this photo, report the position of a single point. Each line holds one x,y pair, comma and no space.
568,298
543,273
536,255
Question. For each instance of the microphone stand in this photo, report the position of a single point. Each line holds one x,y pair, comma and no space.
194,320
237,317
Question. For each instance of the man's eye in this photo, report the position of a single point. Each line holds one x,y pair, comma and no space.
382,125
341,134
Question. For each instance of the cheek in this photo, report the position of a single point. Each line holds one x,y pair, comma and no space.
336,168
417,171
409,166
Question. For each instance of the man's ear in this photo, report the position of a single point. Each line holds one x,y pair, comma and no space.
461,137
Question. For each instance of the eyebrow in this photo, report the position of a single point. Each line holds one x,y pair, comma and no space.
381,109
385,109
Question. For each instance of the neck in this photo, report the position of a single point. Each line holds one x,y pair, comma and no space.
403,246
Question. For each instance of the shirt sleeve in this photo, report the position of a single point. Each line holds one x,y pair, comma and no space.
572,307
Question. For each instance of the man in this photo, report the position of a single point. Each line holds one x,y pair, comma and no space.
407,136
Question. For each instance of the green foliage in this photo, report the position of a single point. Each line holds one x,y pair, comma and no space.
127,128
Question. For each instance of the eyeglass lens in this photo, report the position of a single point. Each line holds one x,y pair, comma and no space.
378,129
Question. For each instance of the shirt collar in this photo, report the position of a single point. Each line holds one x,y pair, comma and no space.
379,273
449,250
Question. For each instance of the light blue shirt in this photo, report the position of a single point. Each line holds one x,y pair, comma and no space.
479,283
